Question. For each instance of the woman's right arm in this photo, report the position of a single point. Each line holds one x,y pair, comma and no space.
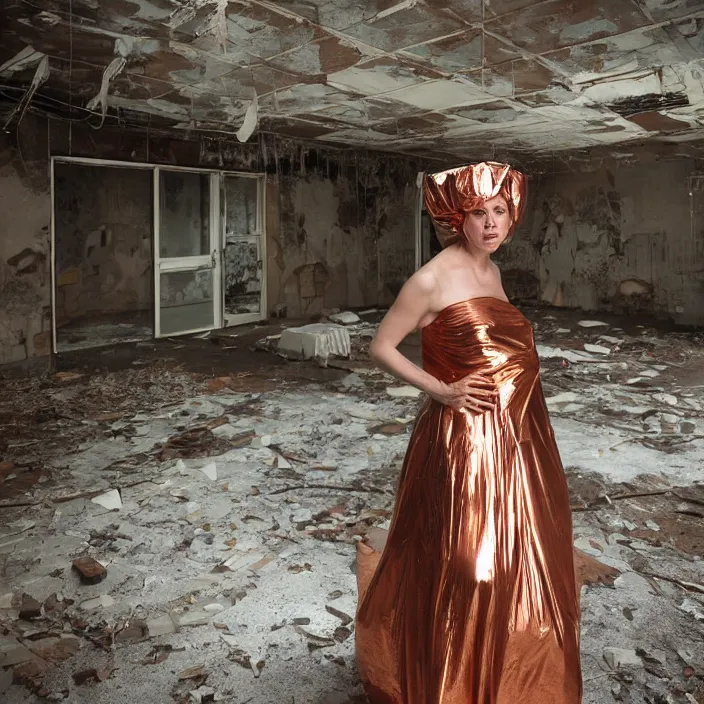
404,316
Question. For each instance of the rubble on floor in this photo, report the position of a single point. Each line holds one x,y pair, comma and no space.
195,541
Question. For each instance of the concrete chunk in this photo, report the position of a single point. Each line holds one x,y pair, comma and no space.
317,341
347,317
620,657
161,625
12,652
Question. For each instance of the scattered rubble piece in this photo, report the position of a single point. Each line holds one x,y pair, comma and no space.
202,695
55,649
90,570
591,324
620,657
193,673
345,618
30,608
596,349
80,678
111,500
317,341
104,601
403,392
391,428
210,470
345,318
12,652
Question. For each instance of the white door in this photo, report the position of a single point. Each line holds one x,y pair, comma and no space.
187,257
244,256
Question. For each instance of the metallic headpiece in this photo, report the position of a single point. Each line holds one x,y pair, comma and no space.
450,195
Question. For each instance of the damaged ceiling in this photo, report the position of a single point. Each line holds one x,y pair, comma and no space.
427,78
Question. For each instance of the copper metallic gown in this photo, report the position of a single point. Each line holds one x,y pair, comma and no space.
474,599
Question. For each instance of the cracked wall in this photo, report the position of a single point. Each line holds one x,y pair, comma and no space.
628,240
339,223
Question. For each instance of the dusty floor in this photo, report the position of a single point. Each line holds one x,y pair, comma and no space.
244,480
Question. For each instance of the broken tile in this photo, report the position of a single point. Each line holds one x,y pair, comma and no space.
90,570
104,600
12,652
161,625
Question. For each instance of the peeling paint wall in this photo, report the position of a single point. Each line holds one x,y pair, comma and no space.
339,224
347,241
25,205
629,240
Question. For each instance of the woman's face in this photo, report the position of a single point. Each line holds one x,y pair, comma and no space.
486,227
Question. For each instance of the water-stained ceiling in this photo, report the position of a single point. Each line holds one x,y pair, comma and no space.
418,76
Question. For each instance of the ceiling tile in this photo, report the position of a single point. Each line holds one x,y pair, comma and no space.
418,126
559,23
672,9
318,58
497,112
493,8
378,76
467,10
414,24
640,49
459,52
264,33
383,106
293,127
303,98
657,122
440,95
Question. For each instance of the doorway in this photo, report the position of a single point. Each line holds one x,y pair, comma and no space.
102,247
142,251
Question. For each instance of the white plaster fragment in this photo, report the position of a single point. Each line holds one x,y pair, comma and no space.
596,349
249,123
210,470
317,341
114,68
403,392
345,318
620,657
104,600
110,500
22,60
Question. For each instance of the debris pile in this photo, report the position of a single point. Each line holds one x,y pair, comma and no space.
197,539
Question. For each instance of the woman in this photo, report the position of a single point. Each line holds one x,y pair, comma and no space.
474,599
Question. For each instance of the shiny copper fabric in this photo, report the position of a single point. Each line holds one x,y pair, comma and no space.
474,599
450,195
